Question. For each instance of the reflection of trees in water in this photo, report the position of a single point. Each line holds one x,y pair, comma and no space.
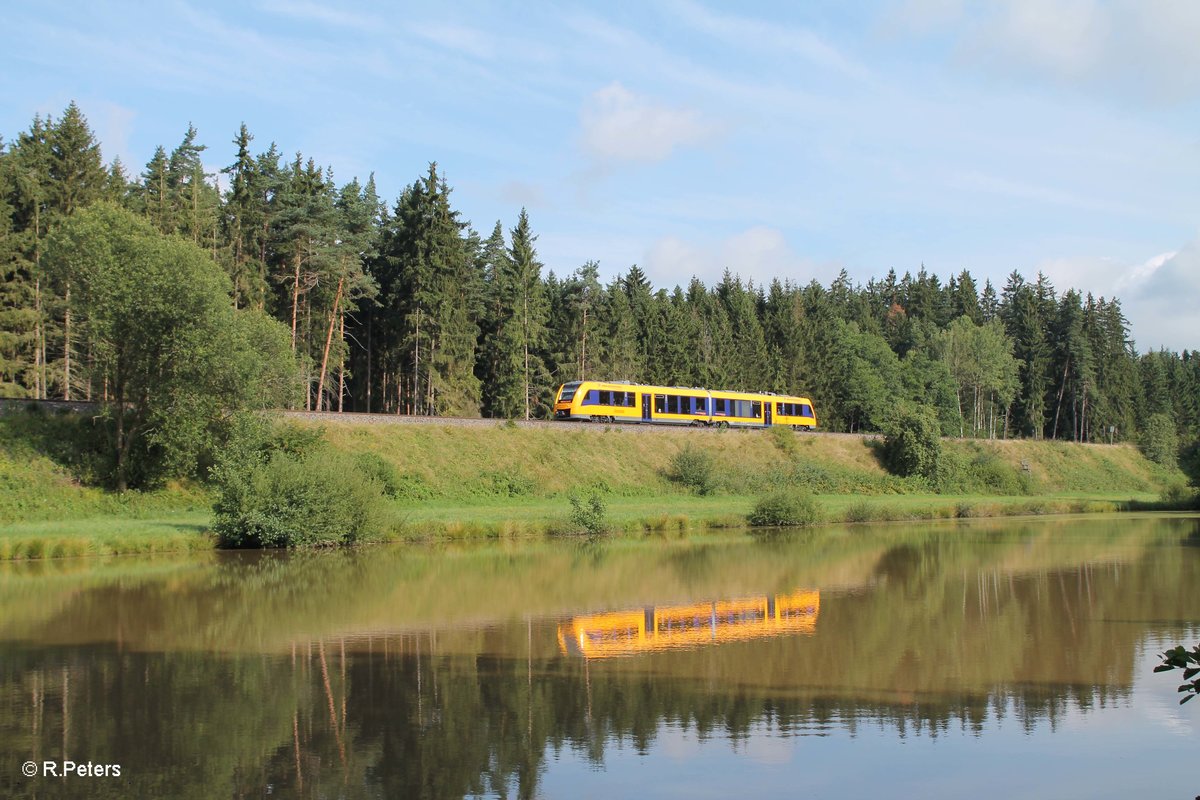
928,633
923,651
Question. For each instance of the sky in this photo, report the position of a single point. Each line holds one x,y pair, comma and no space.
788,140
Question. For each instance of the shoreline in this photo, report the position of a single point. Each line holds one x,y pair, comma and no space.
186,532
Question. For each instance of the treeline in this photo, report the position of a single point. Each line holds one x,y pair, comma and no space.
405,308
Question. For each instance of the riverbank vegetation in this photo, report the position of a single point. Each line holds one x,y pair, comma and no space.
282,483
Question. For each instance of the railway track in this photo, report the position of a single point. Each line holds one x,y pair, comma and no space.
360,418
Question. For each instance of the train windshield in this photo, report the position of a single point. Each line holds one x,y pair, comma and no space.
568,392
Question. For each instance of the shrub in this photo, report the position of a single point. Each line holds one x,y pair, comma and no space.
1181,497
784,438
509,484
692,468
913,444
284,500
589,512
988,473
1158,441
1189,462
784,507
411,486
374,467
861,511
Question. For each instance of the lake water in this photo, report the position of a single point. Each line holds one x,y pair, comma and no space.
986,659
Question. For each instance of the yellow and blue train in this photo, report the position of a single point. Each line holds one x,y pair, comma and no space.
614,401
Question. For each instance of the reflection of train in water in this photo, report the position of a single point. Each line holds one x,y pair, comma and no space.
624,633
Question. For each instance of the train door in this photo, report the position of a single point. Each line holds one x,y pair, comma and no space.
646,407
767,412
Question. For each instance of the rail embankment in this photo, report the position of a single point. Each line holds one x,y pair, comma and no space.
493,478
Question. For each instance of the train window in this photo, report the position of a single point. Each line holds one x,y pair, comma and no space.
660,404
719,409
591,398
673,404
756,408
805,410
700,404
780,409
568,391
605,397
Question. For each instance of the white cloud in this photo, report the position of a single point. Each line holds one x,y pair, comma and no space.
324,15
468,41
759,35
1162,307
1140,49
759,253
620,126
1065,37
923,16
1157,294
113,125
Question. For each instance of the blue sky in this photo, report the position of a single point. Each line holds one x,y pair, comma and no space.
774,139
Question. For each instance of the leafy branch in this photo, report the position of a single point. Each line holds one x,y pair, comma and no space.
1180,658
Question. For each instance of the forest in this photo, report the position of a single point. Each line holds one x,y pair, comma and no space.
406,308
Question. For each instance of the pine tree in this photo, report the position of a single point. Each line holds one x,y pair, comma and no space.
430,287
154,194
528,324
77,178
18,323
241,219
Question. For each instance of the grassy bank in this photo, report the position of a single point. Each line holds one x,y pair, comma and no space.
496,480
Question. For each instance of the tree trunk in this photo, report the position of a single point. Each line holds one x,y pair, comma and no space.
370,353
525,339
416,381
337,298
1058,406
67,347
342,367
583,349
295,299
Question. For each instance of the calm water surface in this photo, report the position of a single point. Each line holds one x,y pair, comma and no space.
992,659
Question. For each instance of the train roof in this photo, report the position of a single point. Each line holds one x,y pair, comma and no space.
715,392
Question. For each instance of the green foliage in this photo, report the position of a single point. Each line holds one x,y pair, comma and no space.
784,507
693,468
410,486
172,354
980,471
1180,657
508,483
913,444
283,487
784,438
981,361
1181,498
1189,462
373,467
1158,441
589,512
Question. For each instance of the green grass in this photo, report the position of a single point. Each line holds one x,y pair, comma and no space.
107,535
